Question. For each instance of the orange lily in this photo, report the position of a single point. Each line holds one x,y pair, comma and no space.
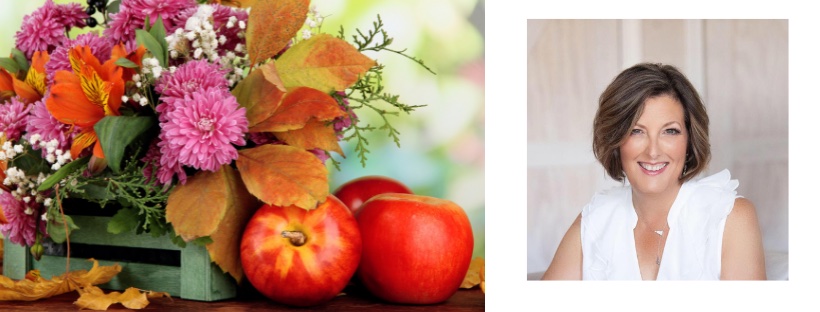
33,87
85,95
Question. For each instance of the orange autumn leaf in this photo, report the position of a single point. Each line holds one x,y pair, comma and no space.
235,3
93,298
271,25
224,249
196,208
283,175
322,62
297,108
39,288
315,134
259,95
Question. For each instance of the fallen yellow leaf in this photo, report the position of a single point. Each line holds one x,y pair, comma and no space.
34,287
475,274
92,297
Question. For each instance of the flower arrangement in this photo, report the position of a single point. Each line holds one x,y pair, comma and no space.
186,115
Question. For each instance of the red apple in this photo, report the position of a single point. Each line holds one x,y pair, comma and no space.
415,249
357,191
300,257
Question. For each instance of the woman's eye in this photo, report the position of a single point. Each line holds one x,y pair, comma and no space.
672,131
636,131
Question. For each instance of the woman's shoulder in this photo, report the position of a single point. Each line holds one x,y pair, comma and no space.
712,197
607,201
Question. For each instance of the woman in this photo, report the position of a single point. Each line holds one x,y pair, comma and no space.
652,129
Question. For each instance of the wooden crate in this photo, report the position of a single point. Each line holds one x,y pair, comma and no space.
196,278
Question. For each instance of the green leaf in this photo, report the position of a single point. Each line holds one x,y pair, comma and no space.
113,7
31,162
20,58
95,193
124,221
124,62
146,39
62,173
10,65
158,32
56,229
116,132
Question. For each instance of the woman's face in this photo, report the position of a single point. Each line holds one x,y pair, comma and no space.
655,149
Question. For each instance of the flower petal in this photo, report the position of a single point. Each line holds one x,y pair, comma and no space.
84,140
69,104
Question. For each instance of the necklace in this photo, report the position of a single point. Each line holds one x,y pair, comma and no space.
658,253
660,240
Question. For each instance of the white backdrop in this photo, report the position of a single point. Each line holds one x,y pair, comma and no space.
740,68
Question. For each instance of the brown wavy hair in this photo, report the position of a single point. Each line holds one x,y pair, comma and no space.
622,103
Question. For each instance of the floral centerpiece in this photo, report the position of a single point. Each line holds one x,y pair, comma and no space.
187,115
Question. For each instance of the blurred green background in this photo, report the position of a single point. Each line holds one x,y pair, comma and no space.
442,144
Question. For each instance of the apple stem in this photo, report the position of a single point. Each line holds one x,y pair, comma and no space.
296,238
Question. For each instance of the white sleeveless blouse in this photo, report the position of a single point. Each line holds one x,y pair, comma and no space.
693,245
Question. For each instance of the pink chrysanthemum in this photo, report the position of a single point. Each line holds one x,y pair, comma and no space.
71,15
45,28
190,77
22,227
43,123
133,12
221,15
100,47
13,118
202,129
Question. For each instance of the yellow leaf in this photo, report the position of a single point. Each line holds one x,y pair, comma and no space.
92,297
323,62
475,274
283,175
196,208
315,134
271,25
39,288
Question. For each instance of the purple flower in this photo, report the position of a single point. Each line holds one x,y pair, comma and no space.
45,28
22,226
43,123
100,47
13,118
201,130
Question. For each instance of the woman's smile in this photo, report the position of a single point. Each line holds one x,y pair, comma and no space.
653,168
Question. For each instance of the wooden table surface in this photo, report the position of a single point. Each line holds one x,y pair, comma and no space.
354,299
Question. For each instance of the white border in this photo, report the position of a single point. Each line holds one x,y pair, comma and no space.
506,150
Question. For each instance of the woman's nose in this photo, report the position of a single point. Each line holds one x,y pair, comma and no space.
653,149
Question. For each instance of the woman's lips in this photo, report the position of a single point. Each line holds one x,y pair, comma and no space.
653,169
